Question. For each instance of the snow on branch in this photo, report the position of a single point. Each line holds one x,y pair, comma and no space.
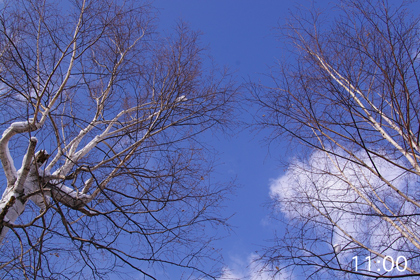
5,157
26,165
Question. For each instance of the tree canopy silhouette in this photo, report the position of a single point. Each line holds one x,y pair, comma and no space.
103,166
349,101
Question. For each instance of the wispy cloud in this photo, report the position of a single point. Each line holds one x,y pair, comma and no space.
351,195
249,269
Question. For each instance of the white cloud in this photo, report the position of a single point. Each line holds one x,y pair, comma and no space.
323,188
228,274
249,269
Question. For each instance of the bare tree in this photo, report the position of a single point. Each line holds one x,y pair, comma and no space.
105,116
349,100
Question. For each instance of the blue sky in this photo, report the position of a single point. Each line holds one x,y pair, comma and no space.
241,35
